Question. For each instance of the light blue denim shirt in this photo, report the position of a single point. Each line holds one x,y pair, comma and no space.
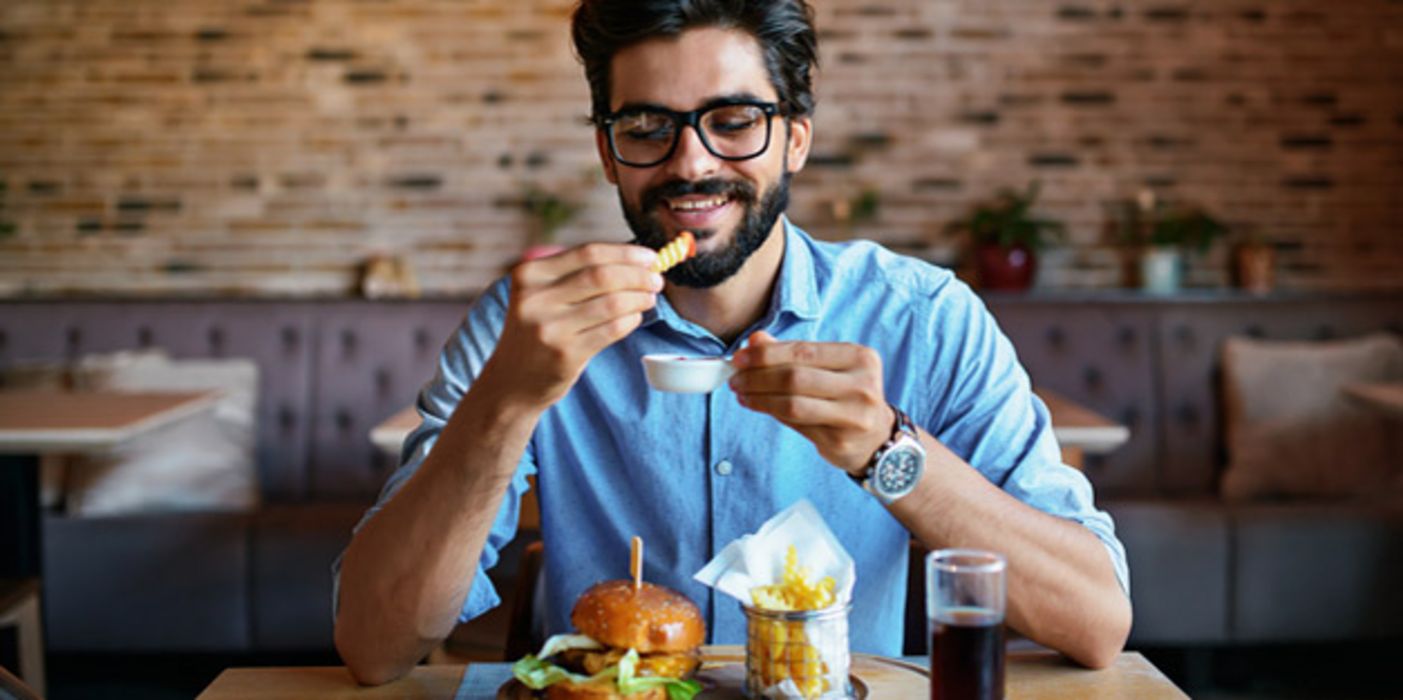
692,472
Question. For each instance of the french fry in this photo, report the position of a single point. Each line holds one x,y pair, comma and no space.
781,650
677,250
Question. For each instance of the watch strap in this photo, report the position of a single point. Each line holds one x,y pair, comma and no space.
899,420
902,426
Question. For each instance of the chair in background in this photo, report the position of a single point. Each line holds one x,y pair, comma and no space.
12,688
521,637
19,609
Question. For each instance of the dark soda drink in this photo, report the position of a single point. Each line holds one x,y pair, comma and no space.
967,655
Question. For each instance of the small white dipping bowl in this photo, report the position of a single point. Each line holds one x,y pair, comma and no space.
684,374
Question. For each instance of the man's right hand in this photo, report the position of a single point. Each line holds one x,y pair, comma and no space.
565,309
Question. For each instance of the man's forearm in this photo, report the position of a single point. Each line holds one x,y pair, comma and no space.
406,573
1062,588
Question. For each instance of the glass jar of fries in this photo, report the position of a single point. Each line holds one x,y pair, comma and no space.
803,652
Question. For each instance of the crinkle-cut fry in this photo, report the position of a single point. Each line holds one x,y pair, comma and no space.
783,650
678,249
795,591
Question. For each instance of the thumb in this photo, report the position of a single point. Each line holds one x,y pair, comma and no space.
761,338
756,339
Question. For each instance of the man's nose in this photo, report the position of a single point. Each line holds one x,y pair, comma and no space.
691,161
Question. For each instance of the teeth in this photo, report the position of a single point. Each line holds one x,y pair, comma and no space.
693,205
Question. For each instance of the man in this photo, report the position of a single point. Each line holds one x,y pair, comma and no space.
703,113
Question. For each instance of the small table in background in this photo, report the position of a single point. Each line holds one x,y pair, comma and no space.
1079,430
389,435
34,423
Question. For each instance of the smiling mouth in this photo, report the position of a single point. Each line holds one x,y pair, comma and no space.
690,205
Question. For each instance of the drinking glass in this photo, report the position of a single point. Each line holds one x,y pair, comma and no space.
965,595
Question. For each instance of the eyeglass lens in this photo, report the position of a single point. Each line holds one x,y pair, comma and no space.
728,131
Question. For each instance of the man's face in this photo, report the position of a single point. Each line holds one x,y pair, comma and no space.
730,206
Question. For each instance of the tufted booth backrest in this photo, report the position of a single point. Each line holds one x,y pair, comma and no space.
332,370
329,371
1153,365
1191,341
371,362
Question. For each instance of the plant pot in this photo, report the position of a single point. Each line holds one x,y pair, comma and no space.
1161,270
1254,268
1005,268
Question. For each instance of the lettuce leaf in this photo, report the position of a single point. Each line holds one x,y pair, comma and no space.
565,642
629,683
536,673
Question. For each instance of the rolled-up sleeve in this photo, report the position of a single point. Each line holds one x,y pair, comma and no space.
988,414
460,363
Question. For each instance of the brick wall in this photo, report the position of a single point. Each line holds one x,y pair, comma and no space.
271,146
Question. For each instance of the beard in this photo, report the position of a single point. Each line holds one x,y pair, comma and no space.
705,270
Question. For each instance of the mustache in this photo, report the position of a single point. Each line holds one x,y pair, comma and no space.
736,189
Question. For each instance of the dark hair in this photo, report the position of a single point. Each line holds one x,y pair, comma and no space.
784,28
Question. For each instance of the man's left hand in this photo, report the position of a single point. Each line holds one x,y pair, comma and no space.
831,393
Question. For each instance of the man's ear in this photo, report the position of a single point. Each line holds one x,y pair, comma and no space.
800,137
606,159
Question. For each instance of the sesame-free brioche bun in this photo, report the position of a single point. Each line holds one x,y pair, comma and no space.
652,619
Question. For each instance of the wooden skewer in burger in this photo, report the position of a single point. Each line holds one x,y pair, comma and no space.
635,641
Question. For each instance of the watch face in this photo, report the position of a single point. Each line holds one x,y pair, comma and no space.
899,470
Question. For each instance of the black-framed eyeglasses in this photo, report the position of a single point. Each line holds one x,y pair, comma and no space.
642,137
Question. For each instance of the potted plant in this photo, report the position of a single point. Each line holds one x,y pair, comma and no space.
1162,232
1006,237
549,212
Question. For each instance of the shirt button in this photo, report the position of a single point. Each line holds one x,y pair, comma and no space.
724,468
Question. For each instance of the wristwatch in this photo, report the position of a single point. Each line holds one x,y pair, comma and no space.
898,463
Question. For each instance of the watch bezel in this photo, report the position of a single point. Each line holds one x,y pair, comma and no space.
904,440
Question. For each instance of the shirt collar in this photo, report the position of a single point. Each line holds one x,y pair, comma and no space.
797,289
795,293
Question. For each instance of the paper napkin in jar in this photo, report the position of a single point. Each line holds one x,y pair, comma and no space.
758,559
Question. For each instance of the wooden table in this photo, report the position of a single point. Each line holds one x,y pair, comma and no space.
1383,397
390,434
54,421
1079,430
1033,675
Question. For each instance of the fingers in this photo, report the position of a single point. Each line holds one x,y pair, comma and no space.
797,380
544,271
605,308
798,411
603,335
765,351
586,283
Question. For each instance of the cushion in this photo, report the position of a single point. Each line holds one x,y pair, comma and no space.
1291,430
205,462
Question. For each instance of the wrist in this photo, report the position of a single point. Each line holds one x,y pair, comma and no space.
884,432
896,467
510,403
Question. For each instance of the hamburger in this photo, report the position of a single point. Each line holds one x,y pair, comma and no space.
632,644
